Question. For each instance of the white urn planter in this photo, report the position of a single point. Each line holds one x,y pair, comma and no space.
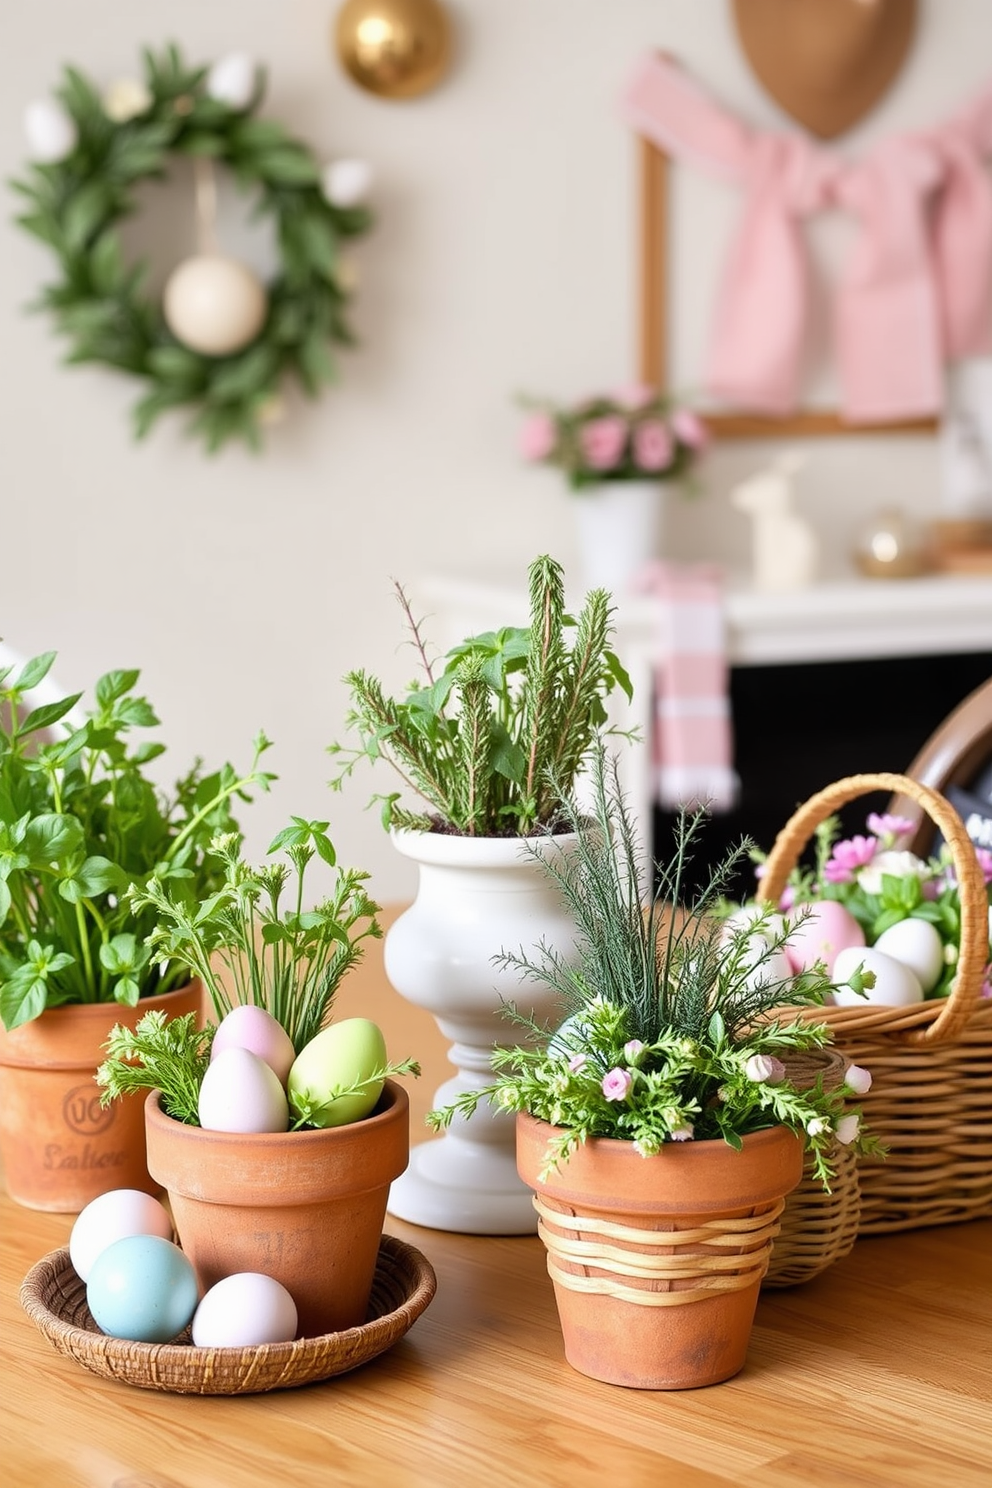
477,896
618,527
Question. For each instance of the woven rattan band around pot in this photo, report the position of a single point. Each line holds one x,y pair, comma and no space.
931,1063
746,1243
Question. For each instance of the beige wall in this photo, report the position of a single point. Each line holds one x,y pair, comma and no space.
244,587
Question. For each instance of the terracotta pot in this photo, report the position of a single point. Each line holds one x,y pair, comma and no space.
657,1261
60,1147
305,1207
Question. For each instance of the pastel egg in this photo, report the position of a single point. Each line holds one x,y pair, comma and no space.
142,1288
338,1057
254,1028
917,944
765,920
244,1310
240,1093
895,985
827,927
113,1216
767,967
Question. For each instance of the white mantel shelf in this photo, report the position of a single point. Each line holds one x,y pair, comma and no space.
838,621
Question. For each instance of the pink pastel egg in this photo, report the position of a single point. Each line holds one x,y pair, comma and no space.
828,929
255,1029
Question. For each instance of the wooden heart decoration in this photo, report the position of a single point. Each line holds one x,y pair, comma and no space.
826,62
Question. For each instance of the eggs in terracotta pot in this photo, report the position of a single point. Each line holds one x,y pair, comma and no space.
895,985
825,929
241,1093
341,1056
254,1028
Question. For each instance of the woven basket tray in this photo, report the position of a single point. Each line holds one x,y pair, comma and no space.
817,1228
55,1299
931,1098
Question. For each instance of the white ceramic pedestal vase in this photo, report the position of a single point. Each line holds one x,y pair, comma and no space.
618,525
477,896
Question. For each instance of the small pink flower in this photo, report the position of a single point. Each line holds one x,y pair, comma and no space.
653,445
765,1069
847,1128
616,1084
987,983
689,429
849,856
858,1079
602,441
787,899
984,862
537,437
894,827
577,1062
632,1050
635,395
683,1133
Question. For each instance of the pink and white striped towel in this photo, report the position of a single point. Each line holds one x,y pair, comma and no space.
692,743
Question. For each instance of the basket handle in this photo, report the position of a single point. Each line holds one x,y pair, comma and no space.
966,990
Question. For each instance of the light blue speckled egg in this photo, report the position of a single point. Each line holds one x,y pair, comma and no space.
142,1288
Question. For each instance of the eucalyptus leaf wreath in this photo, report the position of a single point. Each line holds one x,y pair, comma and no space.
77,196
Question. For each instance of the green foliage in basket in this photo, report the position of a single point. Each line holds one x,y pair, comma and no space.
667,1036
81,824
492,738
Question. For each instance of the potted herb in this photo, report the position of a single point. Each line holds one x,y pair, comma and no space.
303,1203
658,1126
480,739
616,451
81,822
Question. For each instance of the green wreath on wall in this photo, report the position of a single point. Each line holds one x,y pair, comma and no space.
91,152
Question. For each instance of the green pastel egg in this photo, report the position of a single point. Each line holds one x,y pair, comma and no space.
340,1057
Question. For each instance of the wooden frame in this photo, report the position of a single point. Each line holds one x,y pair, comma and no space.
652,328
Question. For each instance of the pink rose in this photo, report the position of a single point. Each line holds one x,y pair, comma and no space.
616,1084
632,1050
893,827
576,1063
689,429
653,445
537,437
602,441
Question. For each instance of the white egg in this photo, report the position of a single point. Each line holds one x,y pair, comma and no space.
231,80
240,1093
51,133
244,1310
774,927
895,985
113,1216
917,944
767,967
346,183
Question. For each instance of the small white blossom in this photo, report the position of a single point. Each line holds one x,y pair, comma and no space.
682,1133
892,865
765,1069
858,1079
817,1125
848,1128
125,100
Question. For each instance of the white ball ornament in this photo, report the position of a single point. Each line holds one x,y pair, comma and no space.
214,304
231,80
51,133
346,183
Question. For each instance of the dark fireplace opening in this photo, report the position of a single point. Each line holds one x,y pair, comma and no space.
797,728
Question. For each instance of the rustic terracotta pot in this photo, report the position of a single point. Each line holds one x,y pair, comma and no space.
60,1148
305,1207
657,1261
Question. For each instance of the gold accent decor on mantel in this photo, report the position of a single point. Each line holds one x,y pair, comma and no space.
396,49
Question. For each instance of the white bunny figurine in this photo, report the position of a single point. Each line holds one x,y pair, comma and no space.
784,547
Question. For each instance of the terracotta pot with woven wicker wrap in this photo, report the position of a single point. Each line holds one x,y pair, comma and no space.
931,1062
657,1261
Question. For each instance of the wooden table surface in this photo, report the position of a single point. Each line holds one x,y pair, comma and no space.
878,1372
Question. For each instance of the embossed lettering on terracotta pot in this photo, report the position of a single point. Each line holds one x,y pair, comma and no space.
305,1207
60,1147
657,1261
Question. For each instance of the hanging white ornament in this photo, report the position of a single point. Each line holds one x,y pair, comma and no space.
125,100
214,304
231,80
346,183
51,133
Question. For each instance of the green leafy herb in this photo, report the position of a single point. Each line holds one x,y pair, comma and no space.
491,739
159,1053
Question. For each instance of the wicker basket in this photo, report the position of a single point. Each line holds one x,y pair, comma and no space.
817,1228
931,1098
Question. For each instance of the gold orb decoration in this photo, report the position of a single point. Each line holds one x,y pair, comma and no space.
393,48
